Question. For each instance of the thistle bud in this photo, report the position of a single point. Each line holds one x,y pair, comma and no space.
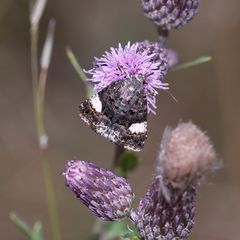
157,53
108,196
159,218
185,154
167,210
170,14
165,56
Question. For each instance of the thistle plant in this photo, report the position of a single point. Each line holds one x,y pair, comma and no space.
122,87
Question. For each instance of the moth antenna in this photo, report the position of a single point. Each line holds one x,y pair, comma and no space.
172,96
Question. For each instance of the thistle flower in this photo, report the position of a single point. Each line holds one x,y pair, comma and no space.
170,14
159,218
185,154
131,61
108,196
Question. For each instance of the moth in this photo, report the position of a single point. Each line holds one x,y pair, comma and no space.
119,113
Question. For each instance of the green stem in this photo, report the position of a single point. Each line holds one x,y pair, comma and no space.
38,100
51,198
72,58
193,63
34,68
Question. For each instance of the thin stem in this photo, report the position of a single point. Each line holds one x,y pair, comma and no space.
162,36
79,70
38,87
50,197
40,107
195,62
43,144
119,150
34,67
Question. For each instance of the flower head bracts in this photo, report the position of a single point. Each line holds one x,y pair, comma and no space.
108,196
170,14
126,62
160,218
167,210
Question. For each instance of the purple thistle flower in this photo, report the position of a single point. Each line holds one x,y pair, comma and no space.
170,14
158,217
108,196
131,61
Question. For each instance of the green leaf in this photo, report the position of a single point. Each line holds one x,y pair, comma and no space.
23,227
31,234
116,228
128,162
37,231
131,233
120,230
73,60
193,63
130,236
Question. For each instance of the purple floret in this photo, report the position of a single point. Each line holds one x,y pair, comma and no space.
126,62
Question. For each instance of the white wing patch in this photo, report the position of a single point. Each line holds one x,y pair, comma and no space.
138,127
96,103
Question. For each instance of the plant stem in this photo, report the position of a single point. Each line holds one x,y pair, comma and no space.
38,87
119,150
195,62
162,36
50,197
34,67
79,70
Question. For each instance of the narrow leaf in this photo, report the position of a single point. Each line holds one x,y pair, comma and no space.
23,227
37,11
131,233
75,64
37,231
73,60
193,63
48,45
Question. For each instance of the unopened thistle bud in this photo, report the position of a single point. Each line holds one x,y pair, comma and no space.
108,196
170,14
159,218
166,57
185,154
167,210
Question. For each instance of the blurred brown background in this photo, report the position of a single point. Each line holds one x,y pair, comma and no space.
207,94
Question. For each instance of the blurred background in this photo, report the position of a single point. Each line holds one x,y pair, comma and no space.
207,94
